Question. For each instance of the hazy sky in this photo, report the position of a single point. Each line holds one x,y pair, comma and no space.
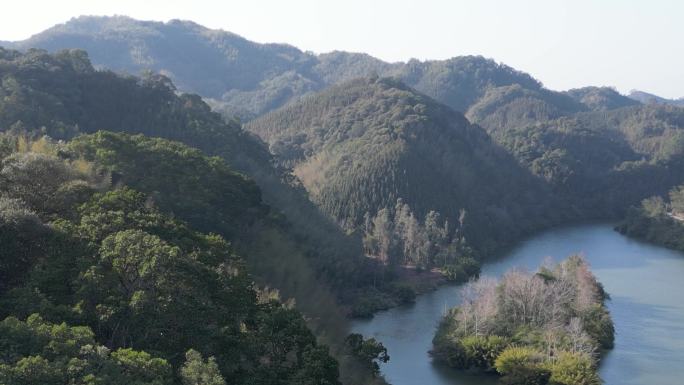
623,43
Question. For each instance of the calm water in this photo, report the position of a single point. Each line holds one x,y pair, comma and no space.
646,284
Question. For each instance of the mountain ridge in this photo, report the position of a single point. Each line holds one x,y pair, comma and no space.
247,79
647,98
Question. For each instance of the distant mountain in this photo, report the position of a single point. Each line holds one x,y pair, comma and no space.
359,146
459,82
513,106
646,98
516,106
601,98
247,79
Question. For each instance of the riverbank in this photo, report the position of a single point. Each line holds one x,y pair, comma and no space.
422,281
655,225
408,283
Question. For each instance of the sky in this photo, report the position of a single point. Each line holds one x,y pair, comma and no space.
626,44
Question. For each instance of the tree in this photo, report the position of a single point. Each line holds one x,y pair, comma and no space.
370,243
436,236
137,259
677,199
580,342
598,324
654,206
23,237
38,352
522,297
34,178
383,231
318,368
197,371
396,232
479,306
368,351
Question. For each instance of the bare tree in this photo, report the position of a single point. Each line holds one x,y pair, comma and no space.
486,306
580,342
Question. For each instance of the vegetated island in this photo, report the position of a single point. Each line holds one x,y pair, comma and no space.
548,327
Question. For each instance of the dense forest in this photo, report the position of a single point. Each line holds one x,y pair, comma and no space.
57,95
549,327
100,286
359,146
602,162
64,91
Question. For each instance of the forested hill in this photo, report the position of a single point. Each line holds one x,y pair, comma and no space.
601,98
247,79
62,95
304,255
100,285
360,146
603,161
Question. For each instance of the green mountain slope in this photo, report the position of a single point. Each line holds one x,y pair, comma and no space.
604,161
61,95
305,256
459,82
139,283
360,146
601,98
509,107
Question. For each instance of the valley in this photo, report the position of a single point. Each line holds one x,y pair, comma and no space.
182,205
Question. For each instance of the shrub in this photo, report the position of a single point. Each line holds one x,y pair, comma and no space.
481,351
598,324
514,357
574,369
403,293
452,353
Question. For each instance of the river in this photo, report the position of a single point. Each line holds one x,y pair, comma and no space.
645,282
